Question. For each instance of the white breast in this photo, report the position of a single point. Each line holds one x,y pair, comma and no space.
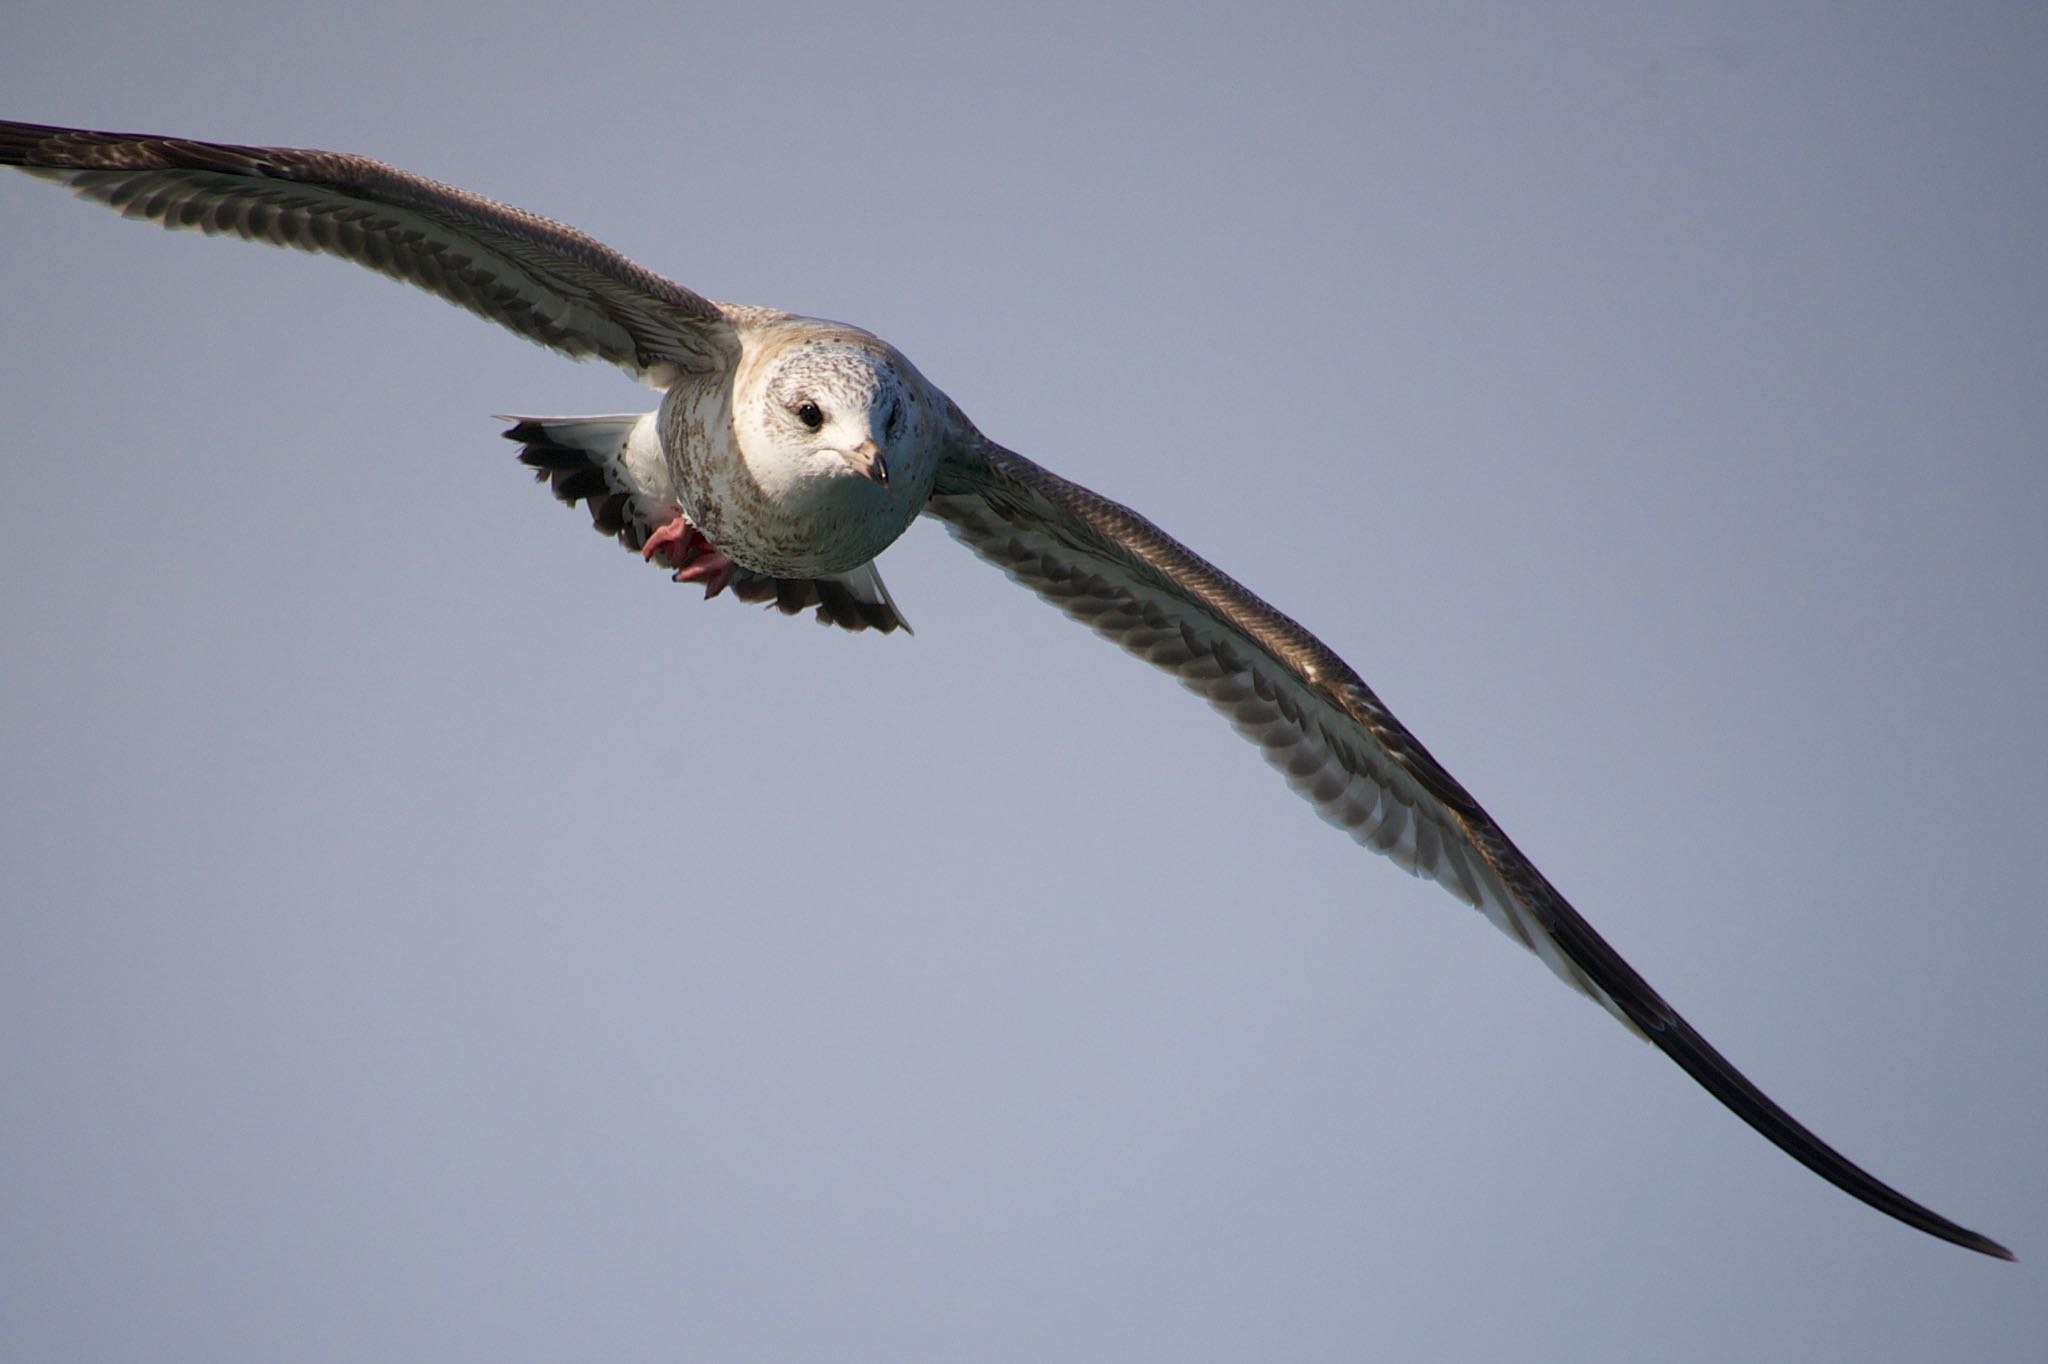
774,501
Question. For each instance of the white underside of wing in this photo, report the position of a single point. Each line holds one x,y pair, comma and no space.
638,467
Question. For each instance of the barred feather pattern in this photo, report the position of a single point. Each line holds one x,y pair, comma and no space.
1310,715
540,278
1342,749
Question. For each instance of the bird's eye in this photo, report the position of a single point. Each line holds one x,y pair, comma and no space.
810,414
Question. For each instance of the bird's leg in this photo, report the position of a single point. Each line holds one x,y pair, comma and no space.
671,545
711,568
682,547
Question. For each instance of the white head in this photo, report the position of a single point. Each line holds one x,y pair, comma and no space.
828,406
838,442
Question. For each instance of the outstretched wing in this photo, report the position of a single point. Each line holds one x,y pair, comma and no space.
614,466
1337,745
548,282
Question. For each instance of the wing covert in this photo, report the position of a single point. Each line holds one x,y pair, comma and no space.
1312,717
542,279
1338,746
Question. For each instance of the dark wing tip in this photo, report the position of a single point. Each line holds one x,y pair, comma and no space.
1984,1245
1634,999
1678,1040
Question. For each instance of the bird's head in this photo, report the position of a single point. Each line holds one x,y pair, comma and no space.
834,406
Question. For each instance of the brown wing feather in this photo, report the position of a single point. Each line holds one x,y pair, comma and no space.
546,281
1341,748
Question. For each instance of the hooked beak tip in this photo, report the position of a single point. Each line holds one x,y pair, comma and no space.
867,461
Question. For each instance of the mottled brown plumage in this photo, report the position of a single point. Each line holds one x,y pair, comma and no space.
802,448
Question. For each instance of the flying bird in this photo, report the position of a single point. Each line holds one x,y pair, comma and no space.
787,452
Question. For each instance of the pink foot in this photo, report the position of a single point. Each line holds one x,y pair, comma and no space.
711,568
671,544
682,547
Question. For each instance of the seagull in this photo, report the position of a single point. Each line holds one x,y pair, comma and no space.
788,452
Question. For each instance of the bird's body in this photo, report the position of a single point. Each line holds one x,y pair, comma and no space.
788,452
778,496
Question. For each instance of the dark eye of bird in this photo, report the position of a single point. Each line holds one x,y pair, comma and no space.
810,414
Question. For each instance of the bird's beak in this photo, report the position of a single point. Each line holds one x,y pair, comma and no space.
866,459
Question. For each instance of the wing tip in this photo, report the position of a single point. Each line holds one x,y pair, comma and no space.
1983,1245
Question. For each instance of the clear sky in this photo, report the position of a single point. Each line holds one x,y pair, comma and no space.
427,934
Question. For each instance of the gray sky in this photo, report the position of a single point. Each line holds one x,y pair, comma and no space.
428,934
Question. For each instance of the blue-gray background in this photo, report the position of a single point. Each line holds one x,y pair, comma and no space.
430,935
